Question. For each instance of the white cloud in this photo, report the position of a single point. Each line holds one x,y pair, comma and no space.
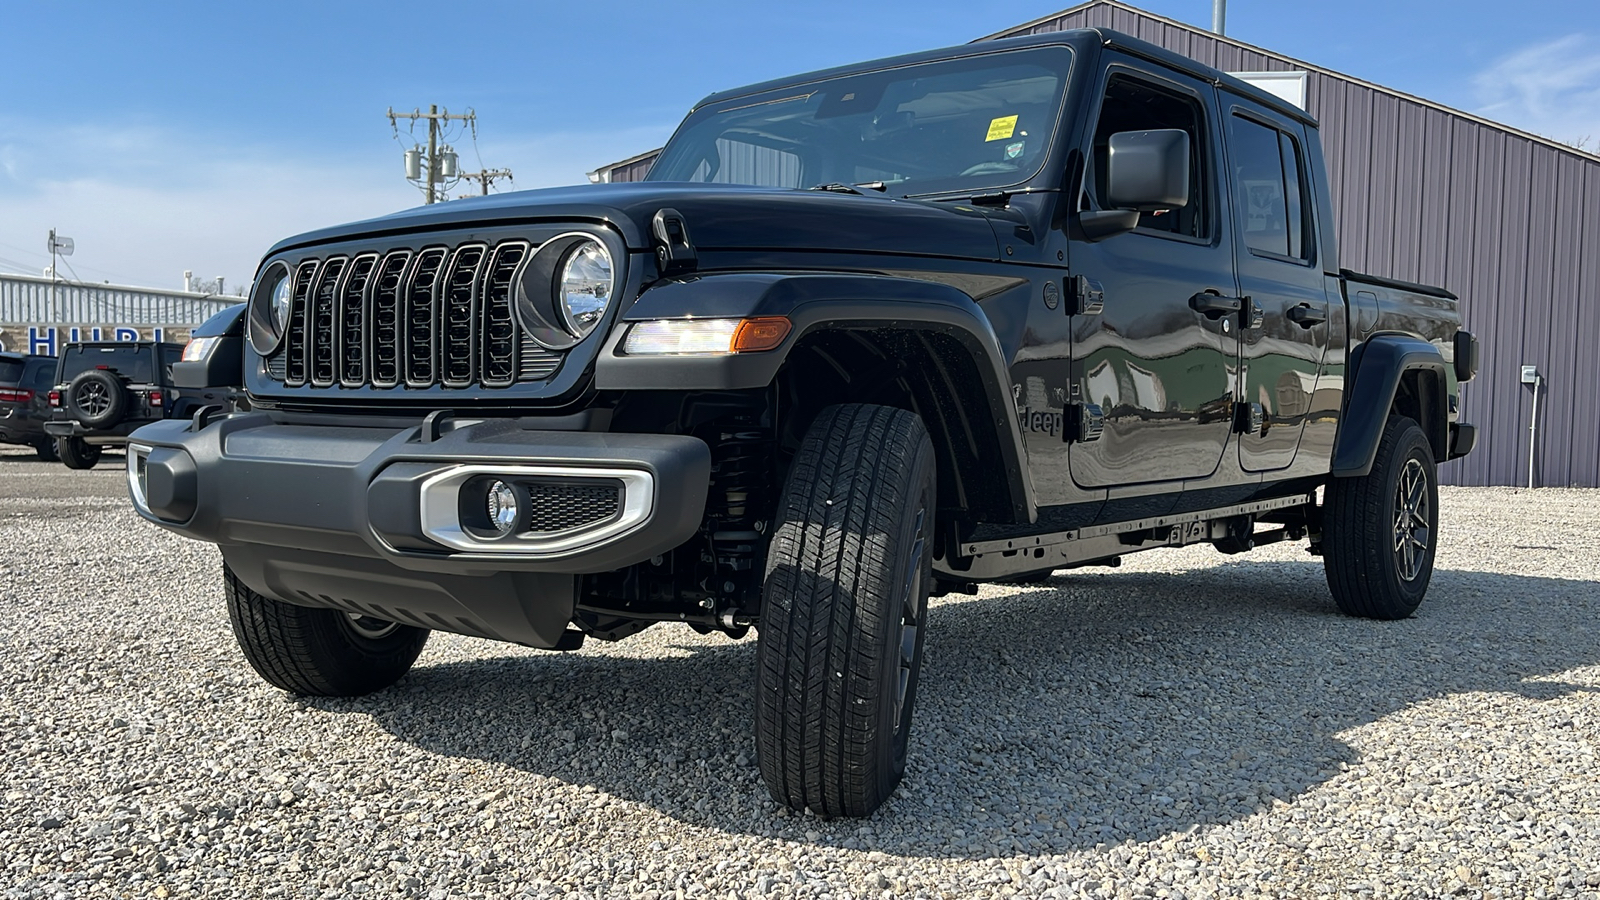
1552,89
144,204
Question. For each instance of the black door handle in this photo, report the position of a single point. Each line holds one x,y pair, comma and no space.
1305,315
1213,305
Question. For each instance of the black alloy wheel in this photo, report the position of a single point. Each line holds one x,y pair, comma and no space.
1380,529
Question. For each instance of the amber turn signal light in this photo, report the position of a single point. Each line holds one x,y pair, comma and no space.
765,333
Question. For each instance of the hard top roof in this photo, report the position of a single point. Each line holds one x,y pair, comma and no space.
1083,38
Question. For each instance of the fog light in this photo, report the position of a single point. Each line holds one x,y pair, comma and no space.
502,507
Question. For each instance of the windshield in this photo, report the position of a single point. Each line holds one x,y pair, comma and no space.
956,125
131,362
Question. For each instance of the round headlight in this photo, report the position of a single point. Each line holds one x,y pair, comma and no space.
270,301
583,290
282,295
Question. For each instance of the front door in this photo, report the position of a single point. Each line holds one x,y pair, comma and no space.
1281,350
1159,373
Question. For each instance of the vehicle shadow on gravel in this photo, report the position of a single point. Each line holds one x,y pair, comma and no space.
1095,708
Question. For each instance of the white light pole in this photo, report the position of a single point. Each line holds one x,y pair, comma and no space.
1219,16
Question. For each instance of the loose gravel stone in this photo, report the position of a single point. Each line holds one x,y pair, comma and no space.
1188,726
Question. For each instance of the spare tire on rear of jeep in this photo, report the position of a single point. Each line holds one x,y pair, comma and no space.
96,398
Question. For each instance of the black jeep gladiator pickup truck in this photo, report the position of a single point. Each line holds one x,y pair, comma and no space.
865,335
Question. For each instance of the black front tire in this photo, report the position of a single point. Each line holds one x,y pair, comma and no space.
844,611
47,451
77,453
1380,529
319,652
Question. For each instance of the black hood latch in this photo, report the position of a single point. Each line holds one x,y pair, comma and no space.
674,252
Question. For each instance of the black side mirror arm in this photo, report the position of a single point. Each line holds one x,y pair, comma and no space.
1099,224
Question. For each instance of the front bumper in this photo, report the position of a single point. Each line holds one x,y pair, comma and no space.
370,520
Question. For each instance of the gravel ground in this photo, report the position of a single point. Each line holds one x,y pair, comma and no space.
1191,725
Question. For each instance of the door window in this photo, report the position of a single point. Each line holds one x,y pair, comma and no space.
1134,105
1269,187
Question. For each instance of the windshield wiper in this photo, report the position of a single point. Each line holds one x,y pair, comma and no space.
839,187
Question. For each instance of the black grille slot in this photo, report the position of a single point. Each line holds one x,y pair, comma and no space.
294,349
386,319
535,363
323,298
414,317
353,320
459,335
498,348
559,506
422,336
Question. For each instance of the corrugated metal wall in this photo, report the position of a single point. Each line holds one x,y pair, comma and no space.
27,299
1508,222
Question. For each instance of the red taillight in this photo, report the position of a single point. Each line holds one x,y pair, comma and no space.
16,395
55,398
155,398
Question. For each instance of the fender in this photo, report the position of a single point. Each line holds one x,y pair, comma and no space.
816,302
1378,366
224,366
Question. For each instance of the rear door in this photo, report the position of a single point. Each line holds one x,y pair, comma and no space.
1283,342
1160,373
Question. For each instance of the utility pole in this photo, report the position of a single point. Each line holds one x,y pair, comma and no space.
441,159
488,177
1219,16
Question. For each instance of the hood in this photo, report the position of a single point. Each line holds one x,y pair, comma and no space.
719,217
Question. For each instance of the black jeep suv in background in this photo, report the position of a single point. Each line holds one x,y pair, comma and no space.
24,406
862,337
103,391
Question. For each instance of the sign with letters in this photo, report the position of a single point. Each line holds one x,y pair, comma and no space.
48,340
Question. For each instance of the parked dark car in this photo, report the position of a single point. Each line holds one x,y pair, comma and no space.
104,391
862,337
25,381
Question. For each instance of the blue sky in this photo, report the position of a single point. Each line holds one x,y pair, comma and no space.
173,136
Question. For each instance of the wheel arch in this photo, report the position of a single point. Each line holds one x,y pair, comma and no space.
1391,373
857,338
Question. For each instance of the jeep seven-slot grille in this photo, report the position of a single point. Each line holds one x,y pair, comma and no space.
418,318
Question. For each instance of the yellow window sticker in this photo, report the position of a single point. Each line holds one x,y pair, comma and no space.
1001,128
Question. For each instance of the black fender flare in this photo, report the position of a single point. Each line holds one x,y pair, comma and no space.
813,302
1377,368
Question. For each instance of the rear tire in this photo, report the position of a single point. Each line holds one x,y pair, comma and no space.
319,652
77,453
1380,528
47,451
844,611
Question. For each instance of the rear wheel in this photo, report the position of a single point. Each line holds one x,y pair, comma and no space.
47,451
844,611
1381,528
319,652
77,453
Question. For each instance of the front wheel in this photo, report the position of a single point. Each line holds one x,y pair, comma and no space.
319,652
844,611
77,453
47,451
1381,528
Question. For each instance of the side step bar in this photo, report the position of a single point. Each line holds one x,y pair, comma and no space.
1010,556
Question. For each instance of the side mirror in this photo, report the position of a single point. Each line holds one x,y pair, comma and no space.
1148,170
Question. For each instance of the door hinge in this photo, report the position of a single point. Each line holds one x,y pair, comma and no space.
1249,418
1089,298
1084,423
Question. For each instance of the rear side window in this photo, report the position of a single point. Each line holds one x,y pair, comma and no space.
1268,183
40,374
132,362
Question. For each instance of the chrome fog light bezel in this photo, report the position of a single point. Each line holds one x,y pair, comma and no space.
138,458
440,502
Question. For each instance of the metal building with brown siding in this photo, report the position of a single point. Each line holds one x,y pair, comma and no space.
1509,221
